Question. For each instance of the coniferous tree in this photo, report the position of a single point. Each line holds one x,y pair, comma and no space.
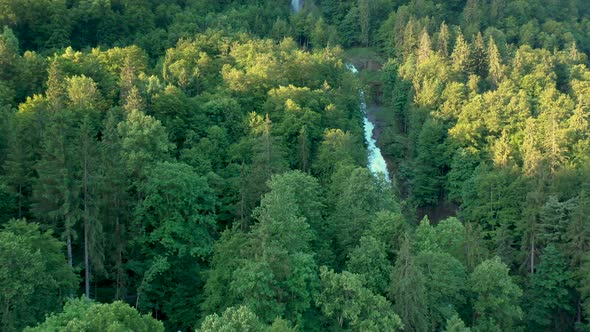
424,47
35,276
113,199
550,290
461,55
364,20
343,298
57,190
369,260
495,72
92,228
443,40
479,55
407,290
496,300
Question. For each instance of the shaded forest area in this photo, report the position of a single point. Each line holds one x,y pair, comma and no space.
198,164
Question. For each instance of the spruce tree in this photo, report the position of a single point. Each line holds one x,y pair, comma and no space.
407,290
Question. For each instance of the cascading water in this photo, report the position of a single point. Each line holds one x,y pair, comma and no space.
377,164
296,5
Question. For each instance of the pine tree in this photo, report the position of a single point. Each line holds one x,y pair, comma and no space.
555,217
277,277
303,149
343,299
495,73
57,191
577,240
410,40
479,56
18,168
443,40
472,17
529,150
496,296
554,107
92,228
9,59
550,293
365,20
425,47
113,197
502,151
460,56
56,86
407,290
369,260
530,226
456,324
268,158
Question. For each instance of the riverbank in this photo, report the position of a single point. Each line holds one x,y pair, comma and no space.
369,64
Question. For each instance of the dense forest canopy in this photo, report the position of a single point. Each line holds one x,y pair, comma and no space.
188,165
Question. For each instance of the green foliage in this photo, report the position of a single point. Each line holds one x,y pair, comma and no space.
389,228
355,197
143,141
203,158
445,280
407,289
496,296
233,319
583,284
34,274
369,260
450,236
177,212
276,276
351,306
550,289
176,220
455,324
85,315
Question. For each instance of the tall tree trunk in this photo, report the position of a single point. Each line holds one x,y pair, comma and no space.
533,255
70,259
20,199
69,249
118,253
579,305
86,260
86,226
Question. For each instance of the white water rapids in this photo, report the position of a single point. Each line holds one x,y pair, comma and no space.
377,164
296,5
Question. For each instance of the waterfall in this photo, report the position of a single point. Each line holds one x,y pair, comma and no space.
296,5
377,164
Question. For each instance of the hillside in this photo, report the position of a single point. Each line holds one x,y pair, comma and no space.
181,165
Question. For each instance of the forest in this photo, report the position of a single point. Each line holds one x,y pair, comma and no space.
201,165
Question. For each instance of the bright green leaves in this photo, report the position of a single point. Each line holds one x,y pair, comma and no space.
177,213
496,296
275,271
241,319
144,141
550,293
85,315
445,279
344,299
370,261
235,319
34,275
355,196
176,223
407,289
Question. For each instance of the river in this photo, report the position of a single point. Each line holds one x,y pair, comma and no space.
296,5
377,164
